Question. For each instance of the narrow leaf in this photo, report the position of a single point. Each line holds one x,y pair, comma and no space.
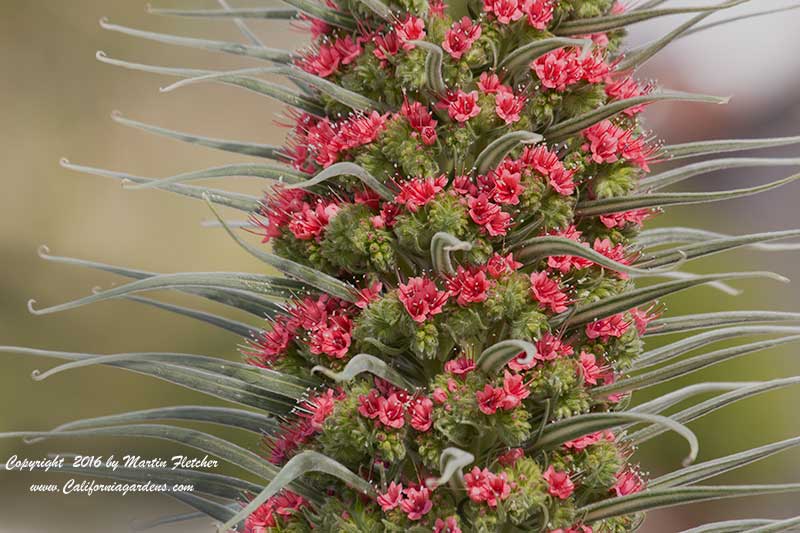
362,363
379,8
698,148
729,526
442,245
278,173
776,527
676,175
347,169
627,203
495,357
433,66
210,508
665,401
237,328
452,462
491,156
680,275
278,13
318,10
520,58
729,20
669,235
663,326
300,465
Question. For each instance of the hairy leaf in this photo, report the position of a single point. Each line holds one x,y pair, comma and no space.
442,244
491,156
670,177
496,356
663,326
698,148
347,169
361,363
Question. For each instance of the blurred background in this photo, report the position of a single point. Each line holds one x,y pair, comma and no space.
56,103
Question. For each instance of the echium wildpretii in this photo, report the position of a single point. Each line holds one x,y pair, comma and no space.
458,212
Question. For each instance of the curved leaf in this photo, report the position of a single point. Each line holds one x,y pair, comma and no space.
779,525
379,8
567,128
688,366
452,462
347,169
698,148
628,300
253,149
257,52
493,154
702,409
574,427
280,174
242,202
628,203
674,496
433,66
307,275
715,241
729,526
663,326
279,13
665,401
361,363
521,57
678,348
613,22
655,182
495,357
237,328
257,283
680,275
210,508
442,244
300,465
755,14
708,469
541,247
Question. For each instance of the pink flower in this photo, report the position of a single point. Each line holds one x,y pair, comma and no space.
604,141
489,83
417,502
573,529
392,497
548,292
614,252
421,298
419,118
561,181
437,8
642,317
260,519
484,486
310,222
507,187
558,69
595,69
506,11
460,367
550,347
565,263
475,482
515,390
627,88
448,525
386,46
421,412
508,106
333,339
369,406
613,326
418,192
320,407
488,215
499,265
411,29
589,369
469,285
511,457
460,37
539,12
324,63
540,159
464,106
620,220
274,342
628,482
348,49
367,295
558,483
439,395
391,412
490,399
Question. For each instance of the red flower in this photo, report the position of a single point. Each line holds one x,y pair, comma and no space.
348,49
324,63
548,292
484,486
421,298
391,412
565,263
581,443
508,106
628,482
595,68
558,69
386,46
613,326
418,116
367,295
614,252
448,525
539,12
460,367
464,106
561,181
540,159
490,399
320,407
550,347
333,339
488,215
499,265
489,83
515,389
475,481
417,502
279,208
428,135
392,497
627,88
421,412
460,37
558,483
642,317
274,342
589,369
506,11
605,140
369,406
470,285
411,29
511,457
418,192
620,220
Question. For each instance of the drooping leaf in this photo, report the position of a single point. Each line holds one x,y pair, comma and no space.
279,13
664,326
665,199
278,173
730,526
747,16
361,363
674,496
665,401
519,59
574,427
491,156
298,466
433,66
237,328
442,245
676,349
698,148
496,356
379,8
562,130
253,149
623,302
688,366
347,169
790,524
211,508
661,236
305,274
452,462
682,275
257,52
655,182
613,22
